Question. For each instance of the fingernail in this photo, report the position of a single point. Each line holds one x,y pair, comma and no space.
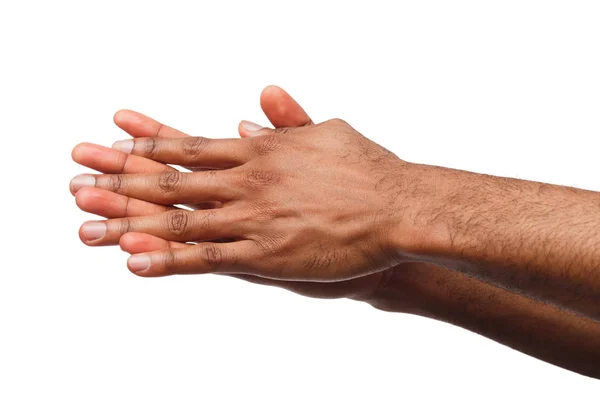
82,181
93,230
124,146
138,262
251,126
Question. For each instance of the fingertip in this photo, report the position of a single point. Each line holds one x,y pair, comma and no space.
124,146
92,233
81,181
127,243
75,152
271,95
71,189
121,116
271,89
139,263
281,108
81,235
78,152
242,132
137,242
251,129
133,242
82,197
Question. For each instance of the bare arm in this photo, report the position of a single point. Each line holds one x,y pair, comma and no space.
541,330
540,240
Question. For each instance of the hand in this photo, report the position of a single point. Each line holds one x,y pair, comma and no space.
289,219
280,109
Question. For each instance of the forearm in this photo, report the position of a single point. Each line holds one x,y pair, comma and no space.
540,330
540,240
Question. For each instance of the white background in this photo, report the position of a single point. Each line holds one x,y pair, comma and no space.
505,87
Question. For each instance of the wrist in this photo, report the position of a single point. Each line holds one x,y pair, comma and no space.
410,288
421,216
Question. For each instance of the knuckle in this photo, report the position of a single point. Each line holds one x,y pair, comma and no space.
266,144
269,245
170,181
262,211
148,147
257,179
177,222
270,258
193,146
169,262
124,226
115,183
337,122
212,255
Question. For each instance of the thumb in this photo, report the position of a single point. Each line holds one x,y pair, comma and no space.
250,129
280,108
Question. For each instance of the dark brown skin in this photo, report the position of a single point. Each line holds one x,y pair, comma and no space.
536,239
542,330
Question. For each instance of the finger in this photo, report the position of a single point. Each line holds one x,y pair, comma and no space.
112,205
281,108
134,243
177,225
167,188
191,151
139,125
111,161
201,258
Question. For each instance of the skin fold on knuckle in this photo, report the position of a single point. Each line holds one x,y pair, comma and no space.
194,146
256,179
124,226
170,182
268,245
267,144
178,223
212,255
146,147
168,264
115,183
